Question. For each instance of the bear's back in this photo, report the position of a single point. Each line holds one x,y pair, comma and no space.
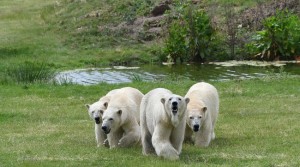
129,99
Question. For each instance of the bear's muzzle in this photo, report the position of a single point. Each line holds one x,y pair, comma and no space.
196,128
105,129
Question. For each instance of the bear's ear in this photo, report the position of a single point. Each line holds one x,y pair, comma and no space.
105,105
101,112
163,100
120,112
87,106
204,109
187,100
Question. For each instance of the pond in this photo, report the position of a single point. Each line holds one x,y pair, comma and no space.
198,72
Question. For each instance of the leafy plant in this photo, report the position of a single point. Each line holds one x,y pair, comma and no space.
200,34
175,43
280,37
190,34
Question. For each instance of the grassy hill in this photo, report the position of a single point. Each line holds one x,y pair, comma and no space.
89,33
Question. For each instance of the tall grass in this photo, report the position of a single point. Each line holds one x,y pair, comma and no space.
30,72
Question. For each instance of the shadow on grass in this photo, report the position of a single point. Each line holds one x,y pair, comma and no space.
10,52
10,117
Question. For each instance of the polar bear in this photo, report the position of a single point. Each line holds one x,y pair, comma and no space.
163,121
121,118
202,113
95,111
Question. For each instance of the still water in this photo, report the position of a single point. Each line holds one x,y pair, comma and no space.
197,72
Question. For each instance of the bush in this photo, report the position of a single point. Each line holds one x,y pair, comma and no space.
200,35
175,45
280,38
190,35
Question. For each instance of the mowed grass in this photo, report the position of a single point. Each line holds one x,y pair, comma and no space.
48,125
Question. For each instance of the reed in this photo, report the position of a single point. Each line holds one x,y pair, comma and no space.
30,72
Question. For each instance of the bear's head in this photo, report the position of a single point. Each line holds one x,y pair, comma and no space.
195,117
175,107
96,110
111,120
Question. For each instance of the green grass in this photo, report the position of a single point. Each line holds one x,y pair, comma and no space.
48,125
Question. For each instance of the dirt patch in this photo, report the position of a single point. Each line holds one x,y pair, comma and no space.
149,28
143,28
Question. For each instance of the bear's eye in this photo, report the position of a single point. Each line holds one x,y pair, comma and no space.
200,117
170,99
191,117
110,119
179,99
93,112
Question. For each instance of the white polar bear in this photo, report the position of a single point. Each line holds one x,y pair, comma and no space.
95,111
121,118
202,112
163,121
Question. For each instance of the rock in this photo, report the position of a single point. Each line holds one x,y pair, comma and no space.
93,14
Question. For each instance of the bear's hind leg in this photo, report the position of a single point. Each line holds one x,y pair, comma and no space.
213,135
147,143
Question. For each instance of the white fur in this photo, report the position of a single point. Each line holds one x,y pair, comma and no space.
162,131
202,110
121,119
96,110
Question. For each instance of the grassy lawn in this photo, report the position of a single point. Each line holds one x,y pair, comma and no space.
48,125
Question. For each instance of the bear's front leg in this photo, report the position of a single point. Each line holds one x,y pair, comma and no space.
100,135
130,138
162,145
177,136
202,138
114,137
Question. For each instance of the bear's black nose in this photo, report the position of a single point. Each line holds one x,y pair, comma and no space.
97,120
104,128
174,103
196,128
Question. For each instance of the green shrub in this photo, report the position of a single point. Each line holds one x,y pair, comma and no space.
175,45
280,37
30,72
190,35
200,34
